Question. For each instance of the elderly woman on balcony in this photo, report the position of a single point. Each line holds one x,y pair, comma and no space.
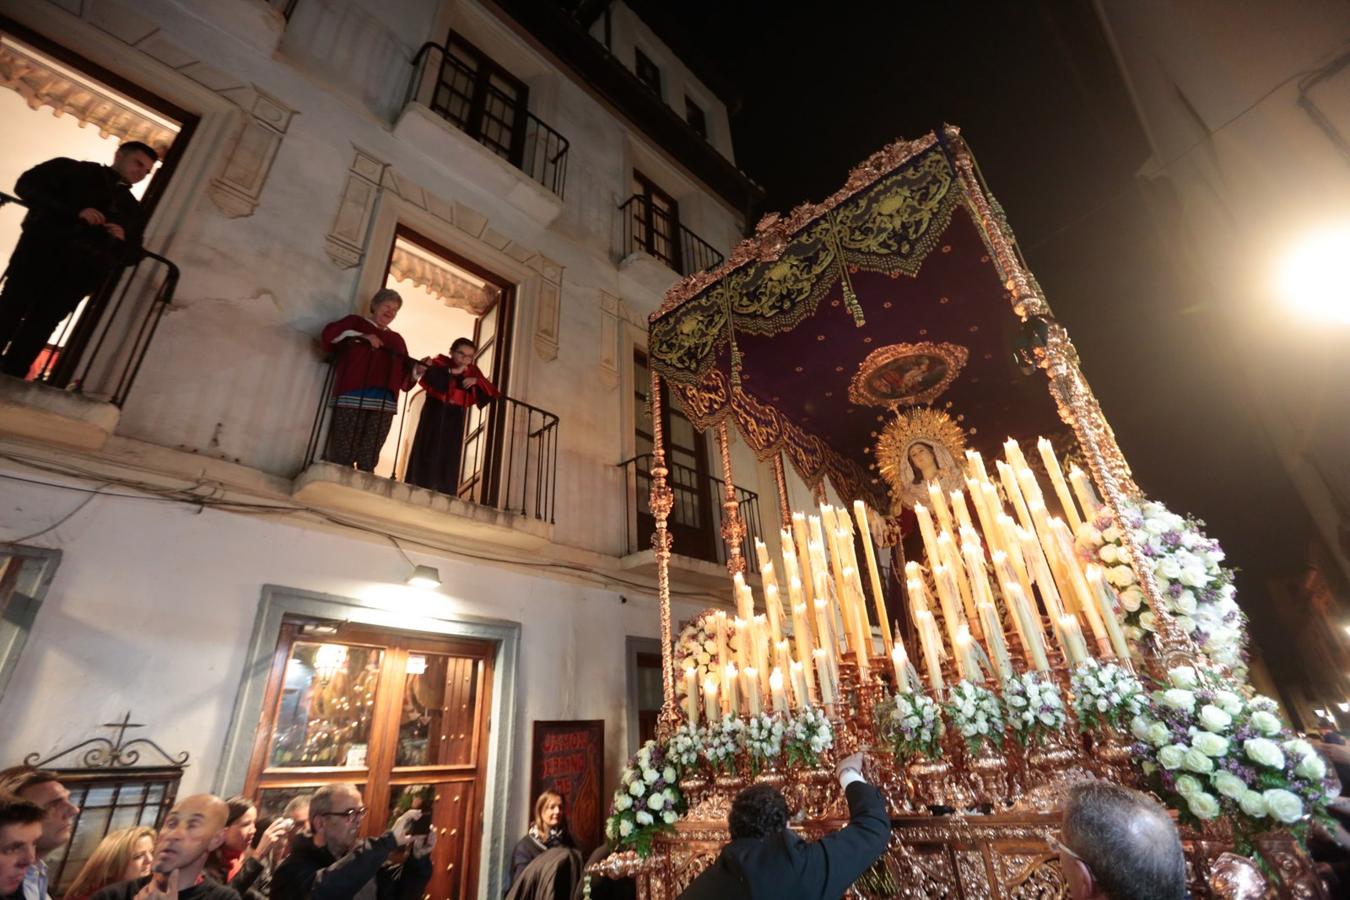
371,366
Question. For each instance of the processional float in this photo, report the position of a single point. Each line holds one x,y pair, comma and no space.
986,603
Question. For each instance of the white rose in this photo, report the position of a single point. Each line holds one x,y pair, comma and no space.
1134,633
1193,577
1196,761
1253,804
622,802
1284,805
1185,604
669,817
1213,718
1185,623
1297,747
1311,767
1229,702
1179,699
1131,599
1167,568
1140,727
1202,805
1148,621
636,788
1229,785
1109,554
1155,524
649,775
1183,677
1158,734
1121,576
625,828
1172,756
1188,785
1265,722
1087,534
1209,744
1264,752
656,801
643,817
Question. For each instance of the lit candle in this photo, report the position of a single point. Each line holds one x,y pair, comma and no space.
918,591
952,559
691,696
720,629
1107,602
1086,602
1075,648
731,690
873,573
1012,452
802,636
1045,582
1082,489
799,686
826,680
1027,630
946,589
975,463
712,709
780,703
962,511
940,505
966,662
1008,476
900,663
745,602
994,640
824,625
862,635
929,535
750,679
743,655
1031,626
774,609
932,645
803,546
1057,482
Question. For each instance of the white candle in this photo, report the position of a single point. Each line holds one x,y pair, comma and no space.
799,686
750,677
900,662
932,644
711,706
731,681
825,679
780,703
873,573
745,603
1057,482
1075,648
1082,489
691,696
1106,600
940,505
966,662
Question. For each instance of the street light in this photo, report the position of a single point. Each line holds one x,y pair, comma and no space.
1314,275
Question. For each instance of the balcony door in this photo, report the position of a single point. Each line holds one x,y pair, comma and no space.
483,99
656,222
692,521
404,716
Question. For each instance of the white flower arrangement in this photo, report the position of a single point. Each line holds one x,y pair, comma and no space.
806,736
1211,752
913,724
1033,706
976,714
1106,696
686,744
763,740
648,799
696,648
720,741
1186,569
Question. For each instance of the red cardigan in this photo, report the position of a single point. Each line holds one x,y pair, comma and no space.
454,394
360,365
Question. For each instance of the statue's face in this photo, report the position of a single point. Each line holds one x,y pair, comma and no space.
922,458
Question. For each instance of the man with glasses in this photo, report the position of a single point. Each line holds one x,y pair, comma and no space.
1119,844
332,863
42,787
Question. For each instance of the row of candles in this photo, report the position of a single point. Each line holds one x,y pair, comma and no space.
827,606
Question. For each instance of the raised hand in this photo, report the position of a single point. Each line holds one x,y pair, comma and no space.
422,845
275,832
403,826
373,340
90,216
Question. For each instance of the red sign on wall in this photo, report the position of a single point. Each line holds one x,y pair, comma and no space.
569,758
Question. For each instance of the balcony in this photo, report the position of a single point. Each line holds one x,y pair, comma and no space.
463,117
699,554
74,392
505,479
656,248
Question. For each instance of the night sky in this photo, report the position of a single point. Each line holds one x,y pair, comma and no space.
1038,96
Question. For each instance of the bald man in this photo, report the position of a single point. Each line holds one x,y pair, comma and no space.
194,827
1119,844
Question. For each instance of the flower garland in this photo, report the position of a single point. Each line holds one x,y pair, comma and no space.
1212,752
1106,696
806,736
763,740
648,799
976,714
1198,591
913,724
1034,707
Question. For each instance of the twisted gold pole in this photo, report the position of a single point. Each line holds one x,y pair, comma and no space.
661,501
780,478
733,529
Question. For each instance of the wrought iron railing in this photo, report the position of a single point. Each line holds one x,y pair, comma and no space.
527,141
100,348
508,449
696,517
650,229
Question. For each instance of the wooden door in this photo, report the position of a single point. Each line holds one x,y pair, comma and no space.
404,716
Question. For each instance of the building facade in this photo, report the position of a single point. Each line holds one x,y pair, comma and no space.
178,549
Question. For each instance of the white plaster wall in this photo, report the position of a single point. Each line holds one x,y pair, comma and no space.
234,372
153,604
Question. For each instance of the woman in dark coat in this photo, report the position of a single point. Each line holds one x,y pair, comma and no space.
546,864
452,384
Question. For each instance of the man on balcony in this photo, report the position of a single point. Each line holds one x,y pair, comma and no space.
83,224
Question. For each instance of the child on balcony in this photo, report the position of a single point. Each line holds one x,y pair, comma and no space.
371,367
453,384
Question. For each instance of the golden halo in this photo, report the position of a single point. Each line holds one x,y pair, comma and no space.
936,432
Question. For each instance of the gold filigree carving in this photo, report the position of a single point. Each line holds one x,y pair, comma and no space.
906,374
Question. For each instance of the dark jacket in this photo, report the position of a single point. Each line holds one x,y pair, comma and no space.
58,189
784,867
312,873
529,848
205,890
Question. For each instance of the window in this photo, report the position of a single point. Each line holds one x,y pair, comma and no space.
403,716
656,222
647,71
645,692
25,573
693,114
483,99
